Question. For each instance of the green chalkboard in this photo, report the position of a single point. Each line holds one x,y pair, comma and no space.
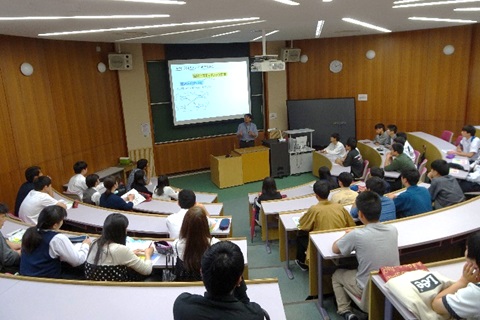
162,113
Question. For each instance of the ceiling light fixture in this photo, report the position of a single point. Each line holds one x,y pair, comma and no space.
405,1
224,34
135,16
442,20
145,27
157,1
319,29
435,3
289,2
365,24
466,9
266,35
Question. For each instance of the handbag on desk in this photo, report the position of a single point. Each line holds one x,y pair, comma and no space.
164,248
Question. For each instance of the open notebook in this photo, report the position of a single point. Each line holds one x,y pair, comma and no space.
138,197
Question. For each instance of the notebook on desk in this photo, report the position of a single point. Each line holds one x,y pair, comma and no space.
138,197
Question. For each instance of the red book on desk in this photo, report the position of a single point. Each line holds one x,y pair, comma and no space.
391,272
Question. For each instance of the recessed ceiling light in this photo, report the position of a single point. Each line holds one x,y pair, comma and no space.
266,35
224,34
126,16
289,2
319,29
466,9
156,1
442,20
434,3
326,0
145,27
365,24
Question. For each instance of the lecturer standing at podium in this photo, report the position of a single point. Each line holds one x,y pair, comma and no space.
247,132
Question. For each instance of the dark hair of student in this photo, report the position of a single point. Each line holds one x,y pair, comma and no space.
162,183
269,186
197,237
248,115
335,136
321,189
222,266
48,217
469,129
114,231
139,177
400,140
32,172
376,185
473,246
392,127
324,174
377,172
441,166
402,134
397,147
370,204
345,178
142,163
3,208
79,166
380,126
186,199
109,183
411,175
91,180
352,143
41,182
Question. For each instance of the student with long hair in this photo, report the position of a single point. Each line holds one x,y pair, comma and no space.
163,190
139,182
194,240
110,259
269,192
325,175
44,249
112,201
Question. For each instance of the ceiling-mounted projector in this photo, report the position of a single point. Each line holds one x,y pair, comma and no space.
267,63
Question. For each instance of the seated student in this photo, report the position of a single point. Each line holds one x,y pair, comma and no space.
324,215
407,147
44,249
472,182
163,190
109,259
325,175
460,300
392,133
194,240
381,137
112,201
30,174
142,164
415,199
398,161
335,147
377,185
378,172
186,200
77,183
139,182
91,195
226,296
376,245
9,251
40,197
269,192
353,159
469,144
345,196
444,188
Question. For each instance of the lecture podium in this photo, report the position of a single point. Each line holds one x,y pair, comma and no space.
255,162
226,171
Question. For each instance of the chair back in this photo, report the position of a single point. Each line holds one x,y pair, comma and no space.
447,135
365,171
423,175
457,141
422,166
417,157
72,196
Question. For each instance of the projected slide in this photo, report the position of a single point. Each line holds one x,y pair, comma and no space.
209,90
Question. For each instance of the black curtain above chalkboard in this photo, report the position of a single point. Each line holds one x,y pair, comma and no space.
161,101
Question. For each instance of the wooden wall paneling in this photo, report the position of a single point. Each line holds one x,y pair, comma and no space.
473,99
447,83
152,52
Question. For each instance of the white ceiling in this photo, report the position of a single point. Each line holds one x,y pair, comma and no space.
293,22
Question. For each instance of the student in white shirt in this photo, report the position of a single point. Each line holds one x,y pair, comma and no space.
407,147
77,183
40,197
163,190
335,147
469,144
